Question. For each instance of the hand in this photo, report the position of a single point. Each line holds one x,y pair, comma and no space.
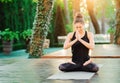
87,62
77,35
71,62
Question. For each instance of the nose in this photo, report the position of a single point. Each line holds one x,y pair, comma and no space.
78,26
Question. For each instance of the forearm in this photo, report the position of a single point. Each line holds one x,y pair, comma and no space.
67,45
88,45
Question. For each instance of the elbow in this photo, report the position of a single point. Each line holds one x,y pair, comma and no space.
92,47
65,47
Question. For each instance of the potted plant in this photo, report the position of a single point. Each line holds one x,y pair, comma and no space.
26,35
111,31
7,37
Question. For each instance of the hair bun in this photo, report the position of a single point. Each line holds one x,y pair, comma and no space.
78,15
78,18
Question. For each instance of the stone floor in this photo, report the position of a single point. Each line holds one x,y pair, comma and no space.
38,70
24,70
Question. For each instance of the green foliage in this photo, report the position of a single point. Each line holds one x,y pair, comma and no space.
69,28
21,16
108,7
5,1
70,8
111,30
8,35
26,33
111,23
35,1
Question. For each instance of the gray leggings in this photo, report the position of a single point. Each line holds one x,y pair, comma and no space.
68,67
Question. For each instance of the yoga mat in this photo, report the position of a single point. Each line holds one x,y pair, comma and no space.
78,75
72,75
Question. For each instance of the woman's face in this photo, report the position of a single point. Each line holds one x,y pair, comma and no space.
79,26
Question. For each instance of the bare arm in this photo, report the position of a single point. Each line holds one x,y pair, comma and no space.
89,45
68,43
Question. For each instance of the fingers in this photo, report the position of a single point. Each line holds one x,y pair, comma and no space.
86,63
77,35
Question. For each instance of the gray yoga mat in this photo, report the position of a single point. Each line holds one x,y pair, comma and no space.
72,75
78,75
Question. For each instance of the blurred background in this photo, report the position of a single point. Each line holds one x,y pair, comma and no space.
102,17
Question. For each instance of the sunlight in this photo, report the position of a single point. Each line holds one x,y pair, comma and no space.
90,3
61,0
84,1
83,6
113,2
35,1
86,25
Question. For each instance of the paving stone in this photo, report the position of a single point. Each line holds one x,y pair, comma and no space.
38,70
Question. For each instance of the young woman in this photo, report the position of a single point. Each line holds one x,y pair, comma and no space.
80,42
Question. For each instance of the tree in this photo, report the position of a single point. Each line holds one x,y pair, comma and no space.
67,15
104,10
103,17
76,6
40,27
117,33
21,18
90,6
59,24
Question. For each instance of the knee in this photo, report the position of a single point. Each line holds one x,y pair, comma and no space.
62,67
96,69
66,67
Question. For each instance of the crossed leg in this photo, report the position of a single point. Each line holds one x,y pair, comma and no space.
68,67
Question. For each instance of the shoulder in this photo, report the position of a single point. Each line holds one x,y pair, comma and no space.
90,34
70,35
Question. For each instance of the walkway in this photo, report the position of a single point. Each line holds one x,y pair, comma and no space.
19,70
38,70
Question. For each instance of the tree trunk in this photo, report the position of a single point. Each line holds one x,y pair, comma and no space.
103,21
90,6
117,33
67,15
76,6
40,27
59,24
